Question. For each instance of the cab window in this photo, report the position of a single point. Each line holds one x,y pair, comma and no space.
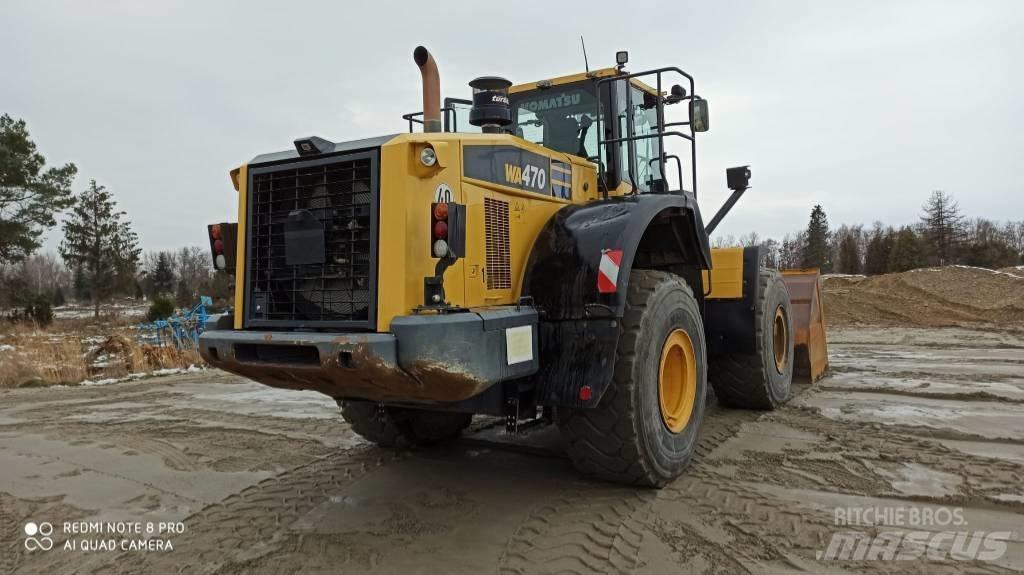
647,151
561,118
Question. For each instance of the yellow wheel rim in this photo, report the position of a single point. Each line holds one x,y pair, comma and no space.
780,339
677,381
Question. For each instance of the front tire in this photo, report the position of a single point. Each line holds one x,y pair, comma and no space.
644,430
761,380
403,427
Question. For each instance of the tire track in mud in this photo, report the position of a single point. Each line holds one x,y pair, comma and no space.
879,448
597,528
255,521
14,513
910,392
588,531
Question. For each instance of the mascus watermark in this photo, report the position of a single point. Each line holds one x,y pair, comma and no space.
909,533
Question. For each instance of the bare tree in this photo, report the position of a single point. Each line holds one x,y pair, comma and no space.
791,253
1014,232
192,266
723,241
44,273
943,227
772,253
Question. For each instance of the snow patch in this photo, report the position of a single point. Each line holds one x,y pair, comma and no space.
996,272
144,375
100,382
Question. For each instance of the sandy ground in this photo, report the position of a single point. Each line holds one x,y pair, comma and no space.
266,481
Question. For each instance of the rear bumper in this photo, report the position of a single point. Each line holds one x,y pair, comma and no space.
424,359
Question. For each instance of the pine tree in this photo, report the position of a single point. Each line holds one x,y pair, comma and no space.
849,255
99,243
876,254
29,196
162,276
183,295
78,285
943,228
815,252
58,297
906,251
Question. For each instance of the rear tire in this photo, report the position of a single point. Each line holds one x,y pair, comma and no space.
761,380
403,427
629,437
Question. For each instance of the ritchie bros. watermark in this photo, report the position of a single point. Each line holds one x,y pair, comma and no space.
909,533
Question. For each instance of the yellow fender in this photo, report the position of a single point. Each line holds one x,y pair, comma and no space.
811,351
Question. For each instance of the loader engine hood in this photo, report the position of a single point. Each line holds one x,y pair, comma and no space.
326,148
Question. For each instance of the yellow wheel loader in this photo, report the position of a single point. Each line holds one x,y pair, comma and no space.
533,253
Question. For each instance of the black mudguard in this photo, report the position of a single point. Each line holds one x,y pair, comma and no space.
729,323
579,325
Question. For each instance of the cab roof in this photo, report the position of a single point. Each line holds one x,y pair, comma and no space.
595,74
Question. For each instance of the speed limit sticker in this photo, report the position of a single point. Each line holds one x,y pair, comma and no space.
443,194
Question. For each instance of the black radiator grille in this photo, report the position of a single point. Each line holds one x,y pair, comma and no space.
341,193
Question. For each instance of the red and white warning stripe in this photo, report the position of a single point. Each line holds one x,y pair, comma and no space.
608,270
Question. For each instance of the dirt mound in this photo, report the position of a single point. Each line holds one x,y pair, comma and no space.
947,296
1015,270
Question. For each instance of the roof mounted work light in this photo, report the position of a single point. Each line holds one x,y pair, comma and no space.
313,146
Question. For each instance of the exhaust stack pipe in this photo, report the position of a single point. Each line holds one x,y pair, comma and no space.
431,89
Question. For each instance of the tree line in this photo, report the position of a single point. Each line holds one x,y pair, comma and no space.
99,255
942,236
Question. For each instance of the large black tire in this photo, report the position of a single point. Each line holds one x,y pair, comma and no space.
403,427
754,381
625,438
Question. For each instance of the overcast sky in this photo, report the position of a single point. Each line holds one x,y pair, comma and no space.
863,107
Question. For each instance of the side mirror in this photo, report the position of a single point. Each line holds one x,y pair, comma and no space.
699,114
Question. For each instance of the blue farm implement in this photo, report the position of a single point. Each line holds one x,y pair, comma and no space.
181,329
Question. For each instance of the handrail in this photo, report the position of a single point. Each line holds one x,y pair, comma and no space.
448,107
411,117
631,138
679,169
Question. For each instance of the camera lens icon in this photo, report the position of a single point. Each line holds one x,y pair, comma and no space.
43,542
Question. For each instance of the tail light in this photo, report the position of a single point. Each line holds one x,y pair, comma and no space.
223,241
447,243
447,230
439,230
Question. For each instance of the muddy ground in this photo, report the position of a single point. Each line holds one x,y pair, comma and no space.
267,481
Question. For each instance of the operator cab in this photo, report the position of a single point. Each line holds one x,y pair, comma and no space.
570,114
563,114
